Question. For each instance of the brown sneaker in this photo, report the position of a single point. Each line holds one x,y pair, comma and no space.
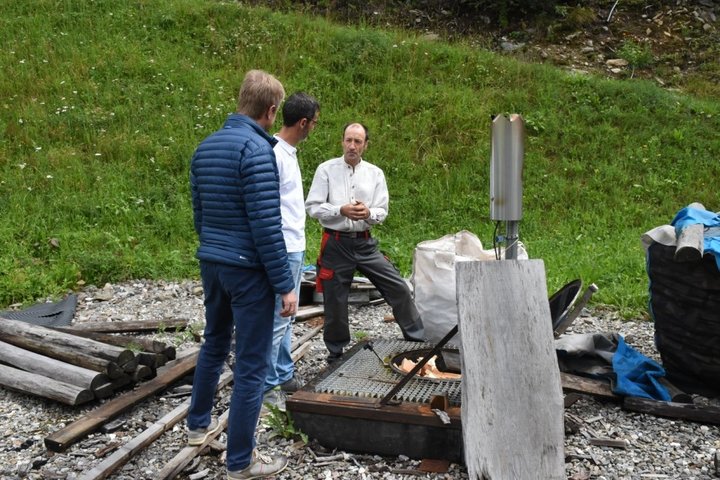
261,466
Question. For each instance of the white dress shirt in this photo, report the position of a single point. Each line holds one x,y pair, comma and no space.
291,196
336,183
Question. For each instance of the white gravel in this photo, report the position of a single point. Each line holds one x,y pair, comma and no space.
657,448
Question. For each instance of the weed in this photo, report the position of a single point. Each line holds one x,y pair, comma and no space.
360,335
637,55
281,424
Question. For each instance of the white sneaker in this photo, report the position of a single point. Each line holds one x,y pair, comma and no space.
261,466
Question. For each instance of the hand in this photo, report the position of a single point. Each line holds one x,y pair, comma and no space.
289,304
355,211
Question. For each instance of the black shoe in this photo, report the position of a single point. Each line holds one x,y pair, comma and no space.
411,339
333,357
292,385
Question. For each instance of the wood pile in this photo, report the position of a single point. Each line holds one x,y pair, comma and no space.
74,365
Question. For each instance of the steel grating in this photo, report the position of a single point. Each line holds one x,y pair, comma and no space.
363,375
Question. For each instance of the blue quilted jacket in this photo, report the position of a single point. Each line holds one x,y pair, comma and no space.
236,201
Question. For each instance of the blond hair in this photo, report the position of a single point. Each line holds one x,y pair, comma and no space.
259,91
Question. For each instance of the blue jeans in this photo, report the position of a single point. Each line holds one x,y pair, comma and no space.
280,365
242,300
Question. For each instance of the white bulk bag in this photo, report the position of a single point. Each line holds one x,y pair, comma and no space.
433,279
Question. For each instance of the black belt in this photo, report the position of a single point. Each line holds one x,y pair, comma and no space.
338,233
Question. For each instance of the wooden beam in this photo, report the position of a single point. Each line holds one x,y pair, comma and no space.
185,456
63,438
307,336
149,435
682,411
300,352
34,384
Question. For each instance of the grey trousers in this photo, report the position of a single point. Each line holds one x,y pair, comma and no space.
340,257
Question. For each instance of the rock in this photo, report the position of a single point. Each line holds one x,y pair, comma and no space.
616,62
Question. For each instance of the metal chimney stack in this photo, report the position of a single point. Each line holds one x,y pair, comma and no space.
506,164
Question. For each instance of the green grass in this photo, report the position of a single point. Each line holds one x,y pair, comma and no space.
103,103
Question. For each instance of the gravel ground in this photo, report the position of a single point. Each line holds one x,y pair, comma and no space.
656,447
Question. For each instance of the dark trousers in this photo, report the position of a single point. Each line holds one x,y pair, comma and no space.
340,256
242,301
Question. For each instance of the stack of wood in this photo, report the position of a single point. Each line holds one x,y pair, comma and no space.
75,365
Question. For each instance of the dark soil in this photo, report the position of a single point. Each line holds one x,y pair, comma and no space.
675,44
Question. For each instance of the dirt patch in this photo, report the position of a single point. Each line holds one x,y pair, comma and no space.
675,44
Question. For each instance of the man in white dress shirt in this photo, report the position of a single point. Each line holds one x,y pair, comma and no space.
300,115
348,196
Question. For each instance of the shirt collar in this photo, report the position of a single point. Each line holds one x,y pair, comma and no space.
285,145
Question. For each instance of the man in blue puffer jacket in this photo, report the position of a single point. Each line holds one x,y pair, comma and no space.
243,264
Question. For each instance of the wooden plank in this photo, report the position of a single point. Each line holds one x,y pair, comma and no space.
171,324
311,311
682,411
149,435
34,384
307,336
512,405
589,386
608,442
63,438
300,352
185,456
50,367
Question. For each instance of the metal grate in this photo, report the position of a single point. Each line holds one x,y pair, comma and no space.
362,375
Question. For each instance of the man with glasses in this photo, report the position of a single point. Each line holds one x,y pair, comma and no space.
300,115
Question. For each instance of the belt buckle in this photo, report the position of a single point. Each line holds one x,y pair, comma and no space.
353,234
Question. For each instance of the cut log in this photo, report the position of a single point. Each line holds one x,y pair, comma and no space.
152,360
60,440
34,384
52,368
66,354
683,411
170,325
129,449
125,341
512,413
52,337
676,395
690,243
142,372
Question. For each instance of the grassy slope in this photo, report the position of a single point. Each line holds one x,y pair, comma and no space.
104,102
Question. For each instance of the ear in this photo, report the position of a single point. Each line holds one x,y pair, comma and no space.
303,123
